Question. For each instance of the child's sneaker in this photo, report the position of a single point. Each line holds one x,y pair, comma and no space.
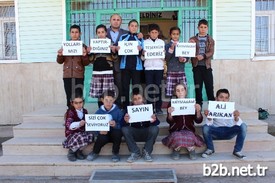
192,155
147,157
207,153
115,158
71,155
133,157
175,155
92,156
239,155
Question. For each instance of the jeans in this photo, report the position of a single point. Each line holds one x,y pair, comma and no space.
203,75
211,133
154,78
147,135
112,136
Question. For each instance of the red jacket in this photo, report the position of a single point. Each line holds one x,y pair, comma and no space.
72,117
183,122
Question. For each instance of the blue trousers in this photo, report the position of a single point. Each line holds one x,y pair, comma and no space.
211,133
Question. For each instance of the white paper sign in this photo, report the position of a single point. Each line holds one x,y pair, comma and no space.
185,50
100,46
222,110
153,51
97,122
128,48
183,106
140,113
72,48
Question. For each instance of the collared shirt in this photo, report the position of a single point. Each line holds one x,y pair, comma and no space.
114,35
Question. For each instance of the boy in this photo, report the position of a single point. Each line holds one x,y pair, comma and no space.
146,131
224,129
131,65
202,70
115,134
154,70
73,68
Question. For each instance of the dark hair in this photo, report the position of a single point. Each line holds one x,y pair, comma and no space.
203,21
136,91
75,27
109,93
74,97
223,90
174,28
99,27
153,27
133,20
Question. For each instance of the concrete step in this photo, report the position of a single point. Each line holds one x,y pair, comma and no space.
56,113
52,145
59,165
56,129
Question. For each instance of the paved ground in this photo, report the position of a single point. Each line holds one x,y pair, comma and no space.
181,179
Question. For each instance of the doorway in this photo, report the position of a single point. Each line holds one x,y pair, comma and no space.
165,20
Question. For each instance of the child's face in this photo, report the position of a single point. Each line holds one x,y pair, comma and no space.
101,33
154,34
77,103
74,34
137,99
180,91
175,35
133,27
108,102
224,97
203,29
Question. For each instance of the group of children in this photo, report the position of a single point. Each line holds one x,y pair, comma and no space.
131,67
181,128
182,133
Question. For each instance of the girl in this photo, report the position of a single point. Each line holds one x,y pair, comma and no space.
75,133
131,65
102,78
182,129
175,65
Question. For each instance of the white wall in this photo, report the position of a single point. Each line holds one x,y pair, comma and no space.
233,32
40,29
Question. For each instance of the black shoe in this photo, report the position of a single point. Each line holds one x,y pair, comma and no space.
80,155
71,155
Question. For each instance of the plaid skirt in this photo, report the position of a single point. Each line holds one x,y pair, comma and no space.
78,140
100,83
183,138
174,78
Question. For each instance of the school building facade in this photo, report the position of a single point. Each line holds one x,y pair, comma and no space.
32,32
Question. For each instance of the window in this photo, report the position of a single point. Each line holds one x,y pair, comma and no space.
8,50
265,27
